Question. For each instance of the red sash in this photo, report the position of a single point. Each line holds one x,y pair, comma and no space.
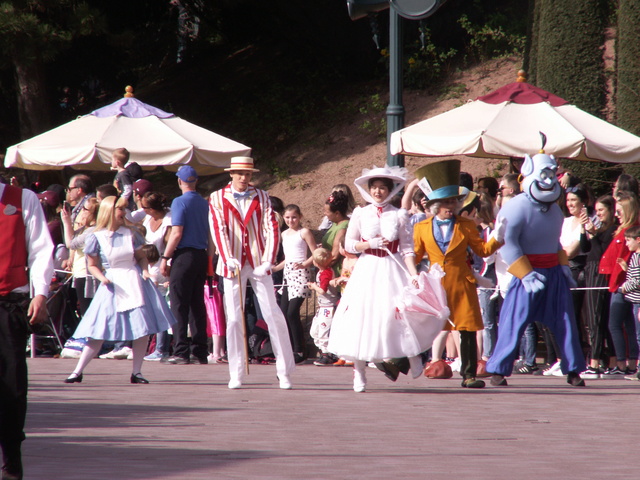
393,248
544,260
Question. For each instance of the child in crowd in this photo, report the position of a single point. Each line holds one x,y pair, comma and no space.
163,339
216,324
631,286
297,241
327,300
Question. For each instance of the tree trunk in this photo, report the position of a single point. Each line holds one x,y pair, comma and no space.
34,112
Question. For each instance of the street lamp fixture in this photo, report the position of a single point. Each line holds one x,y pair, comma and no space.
412,10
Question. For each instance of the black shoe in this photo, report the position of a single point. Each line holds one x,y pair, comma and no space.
325,360
198,360
12,462
574,379
472,383
390,370
524,369
8,474
173,360
73,378
138,378
498,380
299,358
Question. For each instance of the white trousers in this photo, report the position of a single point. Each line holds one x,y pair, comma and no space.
276,323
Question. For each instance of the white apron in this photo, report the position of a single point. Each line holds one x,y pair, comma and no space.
122,271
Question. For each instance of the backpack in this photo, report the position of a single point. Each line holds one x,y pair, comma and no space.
260,344
134,171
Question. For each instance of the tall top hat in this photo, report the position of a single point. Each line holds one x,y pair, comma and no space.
442,180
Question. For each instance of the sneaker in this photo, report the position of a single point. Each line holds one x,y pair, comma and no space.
614,372
198,360
591,373
524,369
456,364
121,354
552,370
154,357
325,360
631,371
173,360
634,378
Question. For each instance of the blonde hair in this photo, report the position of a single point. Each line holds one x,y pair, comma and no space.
121,155
107,212
322,257
91,205
630,209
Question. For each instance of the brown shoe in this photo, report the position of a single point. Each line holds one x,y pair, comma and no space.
389,369
472,383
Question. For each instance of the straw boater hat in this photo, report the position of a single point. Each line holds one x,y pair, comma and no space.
396,174
443,179
241,163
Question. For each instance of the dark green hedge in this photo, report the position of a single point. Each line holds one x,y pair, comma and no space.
570,35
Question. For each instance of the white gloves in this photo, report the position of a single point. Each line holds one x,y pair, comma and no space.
501,227
262,270
233,266
533,282
375,243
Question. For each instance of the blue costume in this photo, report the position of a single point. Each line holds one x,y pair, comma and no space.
540,289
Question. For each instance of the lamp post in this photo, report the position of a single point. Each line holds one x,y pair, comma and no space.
412,10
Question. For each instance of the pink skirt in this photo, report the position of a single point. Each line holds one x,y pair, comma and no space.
216,324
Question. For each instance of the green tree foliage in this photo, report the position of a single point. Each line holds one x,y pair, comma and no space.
33,33
569,57
566,54
628,66
628,71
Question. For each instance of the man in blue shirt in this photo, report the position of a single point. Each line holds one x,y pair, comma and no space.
187,249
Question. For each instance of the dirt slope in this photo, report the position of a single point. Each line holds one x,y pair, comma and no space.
339,154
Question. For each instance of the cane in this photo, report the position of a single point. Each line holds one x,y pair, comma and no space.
244,328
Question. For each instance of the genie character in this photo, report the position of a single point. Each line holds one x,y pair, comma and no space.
540,289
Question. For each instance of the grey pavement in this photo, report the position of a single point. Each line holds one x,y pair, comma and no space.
186,424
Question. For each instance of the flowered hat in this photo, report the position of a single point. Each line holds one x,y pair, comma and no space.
397,175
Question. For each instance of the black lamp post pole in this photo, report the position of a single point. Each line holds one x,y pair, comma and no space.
395,109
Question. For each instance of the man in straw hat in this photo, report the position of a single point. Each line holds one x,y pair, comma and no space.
187,249
246,234
540,289
444,239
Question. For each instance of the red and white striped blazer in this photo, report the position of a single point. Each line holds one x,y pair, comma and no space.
254,238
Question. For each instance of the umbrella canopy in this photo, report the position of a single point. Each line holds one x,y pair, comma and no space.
506,122
152,136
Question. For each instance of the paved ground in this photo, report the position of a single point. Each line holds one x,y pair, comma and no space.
187,424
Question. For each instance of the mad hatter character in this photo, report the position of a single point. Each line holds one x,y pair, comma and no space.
444,239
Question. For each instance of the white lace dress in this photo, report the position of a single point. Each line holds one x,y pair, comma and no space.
368,325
